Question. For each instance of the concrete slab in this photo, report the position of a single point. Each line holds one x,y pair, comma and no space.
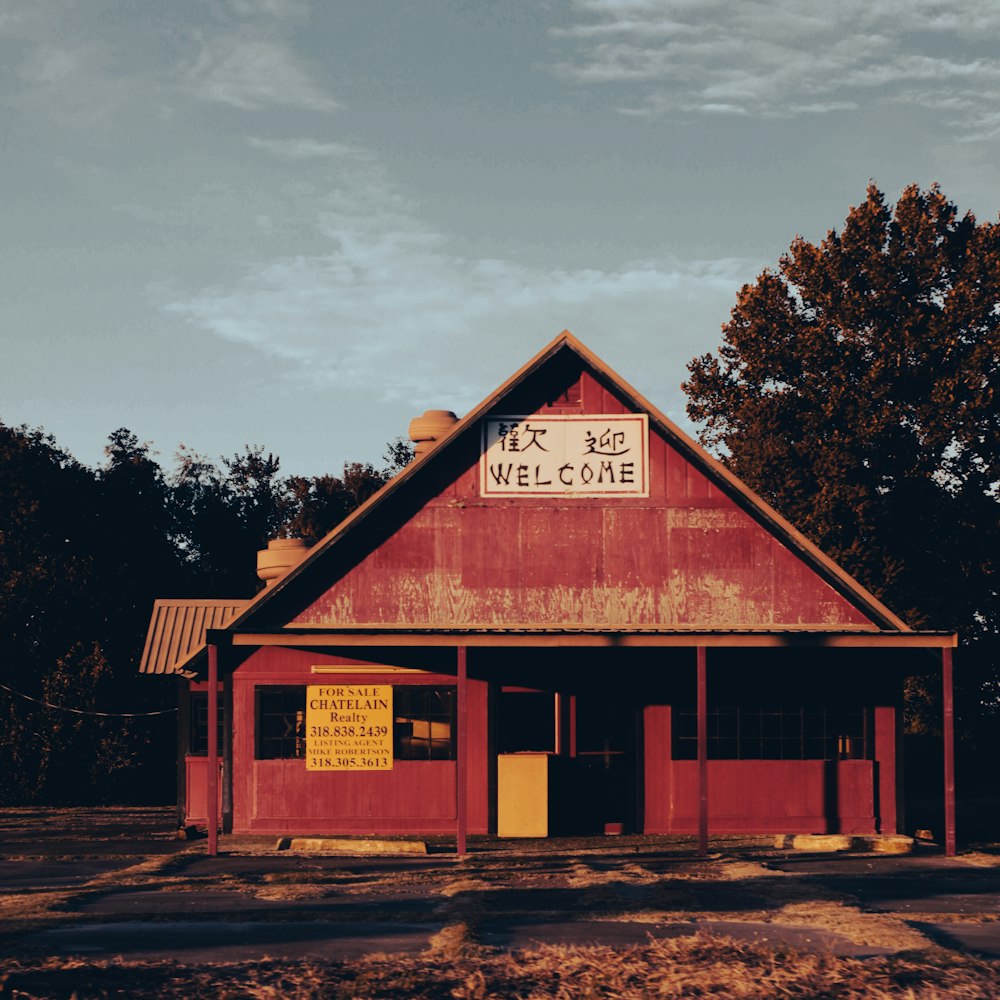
45,875
218,902
198,865
934,865
978,939
214,942
350,846
615,933
905,886
899,896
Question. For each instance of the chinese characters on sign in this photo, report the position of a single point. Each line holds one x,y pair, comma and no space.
583,456
348,727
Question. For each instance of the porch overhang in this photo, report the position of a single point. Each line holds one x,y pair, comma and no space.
524,636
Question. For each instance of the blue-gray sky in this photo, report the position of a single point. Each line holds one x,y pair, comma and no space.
298,225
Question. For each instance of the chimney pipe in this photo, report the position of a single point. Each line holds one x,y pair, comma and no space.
279,557
427,430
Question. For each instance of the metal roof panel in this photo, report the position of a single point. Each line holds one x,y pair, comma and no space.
176,632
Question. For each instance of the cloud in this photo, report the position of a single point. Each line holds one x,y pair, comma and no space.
253,74
310,149
77,61
391,308
784,58
55,66
284,10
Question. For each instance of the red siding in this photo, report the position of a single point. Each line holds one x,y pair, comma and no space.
686,556
278,796
196,790
774,796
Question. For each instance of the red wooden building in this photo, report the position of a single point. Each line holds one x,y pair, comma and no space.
585,623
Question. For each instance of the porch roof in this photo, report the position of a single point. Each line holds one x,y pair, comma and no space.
176,633
554,636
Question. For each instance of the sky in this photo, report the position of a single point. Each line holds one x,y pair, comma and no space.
298,225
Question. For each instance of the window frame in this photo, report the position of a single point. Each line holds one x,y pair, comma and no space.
295,734
768,732
403,697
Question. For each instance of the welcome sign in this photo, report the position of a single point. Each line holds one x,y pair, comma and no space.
579,456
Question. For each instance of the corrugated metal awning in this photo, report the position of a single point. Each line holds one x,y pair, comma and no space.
177,632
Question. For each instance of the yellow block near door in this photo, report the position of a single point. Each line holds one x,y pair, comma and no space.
523,795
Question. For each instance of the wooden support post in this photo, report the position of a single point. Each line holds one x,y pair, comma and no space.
212,782
462,746
949,752
702,752
183,747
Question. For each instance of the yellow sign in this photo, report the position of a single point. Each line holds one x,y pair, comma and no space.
349,727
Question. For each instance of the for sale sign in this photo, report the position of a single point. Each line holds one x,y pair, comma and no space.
349,727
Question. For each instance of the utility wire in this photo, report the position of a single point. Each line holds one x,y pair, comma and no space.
80,711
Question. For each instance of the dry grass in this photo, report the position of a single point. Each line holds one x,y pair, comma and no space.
980,859
699,966
877,930
736,870
278,893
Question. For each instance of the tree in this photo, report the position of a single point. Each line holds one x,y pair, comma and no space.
857,389
319,503
223,515
79,556
83,553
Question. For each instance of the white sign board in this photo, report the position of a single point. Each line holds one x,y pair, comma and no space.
581,456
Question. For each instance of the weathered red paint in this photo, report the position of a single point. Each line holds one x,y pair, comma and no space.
886,739
686,556
950,846
212,764
775,796
702,751
462,764
196,785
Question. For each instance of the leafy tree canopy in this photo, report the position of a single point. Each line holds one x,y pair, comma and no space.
83,553
857,389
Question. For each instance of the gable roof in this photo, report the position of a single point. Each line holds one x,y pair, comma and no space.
254,613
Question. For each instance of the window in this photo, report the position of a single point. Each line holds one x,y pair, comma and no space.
767,733
281,722
424,722
526,721
198,730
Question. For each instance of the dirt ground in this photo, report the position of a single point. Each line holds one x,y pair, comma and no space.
106,902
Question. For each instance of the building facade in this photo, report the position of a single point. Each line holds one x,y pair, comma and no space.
564,617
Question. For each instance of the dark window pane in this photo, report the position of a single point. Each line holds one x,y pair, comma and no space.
771,725
604,726
526,720
424,722
198,733
791,725
770,733
685,725
750,725
281,716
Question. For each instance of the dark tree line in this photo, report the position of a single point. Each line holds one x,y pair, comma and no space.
857,389
83,554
